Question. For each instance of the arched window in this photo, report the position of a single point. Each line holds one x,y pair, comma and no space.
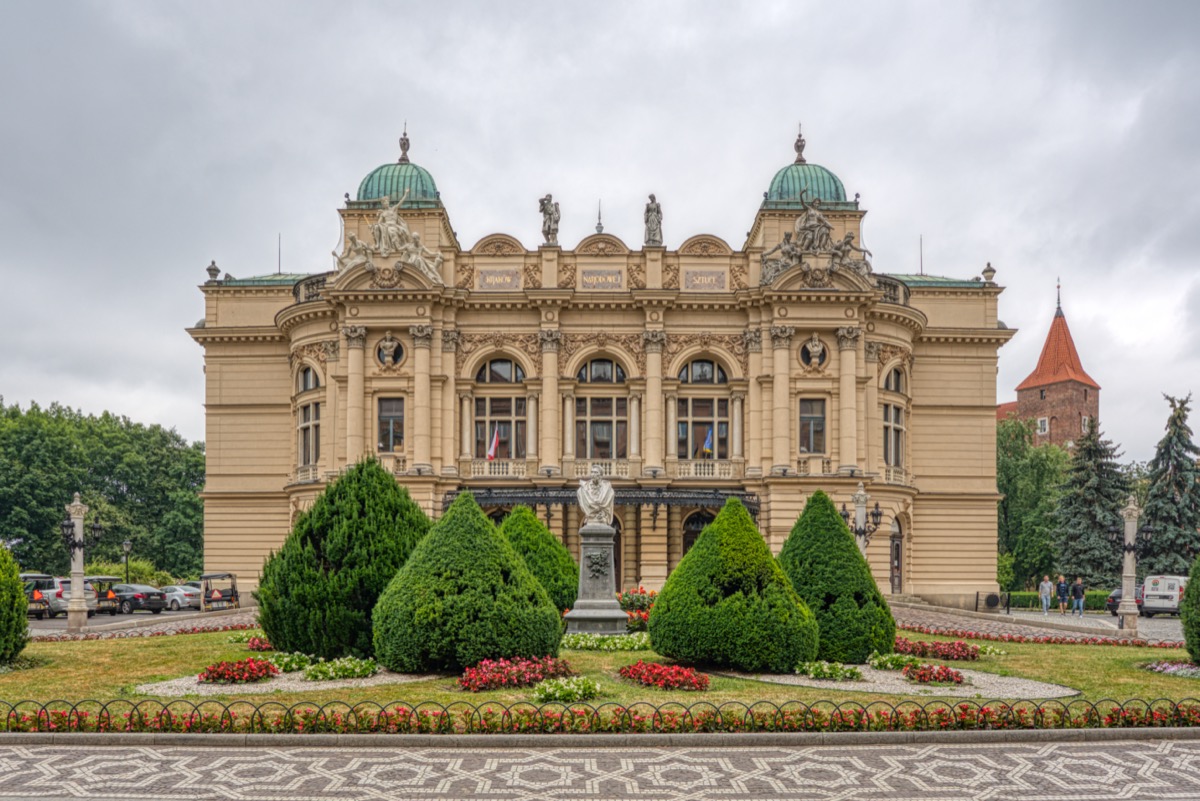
308,379
692,527
500,371
894,382
601,415
601,371
703,371
702,415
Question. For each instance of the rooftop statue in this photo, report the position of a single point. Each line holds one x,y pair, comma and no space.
843,252
813,231
390,230
357,252
596,499
789,257
550,215
428,263
653,219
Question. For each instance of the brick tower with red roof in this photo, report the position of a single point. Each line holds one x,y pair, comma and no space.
1059,395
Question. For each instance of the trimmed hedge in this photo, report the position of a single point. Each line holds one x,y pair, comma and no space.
830,573
14,626
318,590
464,596
546,557
1189,613
1093,600
728,604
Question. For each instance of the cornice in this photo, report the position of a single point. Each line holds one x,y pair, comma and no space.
978,336
287,319
912,319
237,334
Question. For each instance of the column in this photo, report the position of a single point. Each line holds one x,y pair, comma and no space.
871,418
753,343
464,399
449,395
672,427
635,426
781,429
356,337
329,415
736,422
568,418
531,427
551,451
653,342
77,604
1128,608
422,335
847,338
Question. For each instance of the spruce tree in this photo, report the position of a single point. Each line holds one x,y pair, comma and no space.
1173,502
545,556
1089,508
317,592
14,627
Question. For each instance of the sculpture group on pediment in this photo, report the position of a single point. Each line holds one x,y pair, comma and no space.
390,230
814,233
392,236
357,252
843,256
789,257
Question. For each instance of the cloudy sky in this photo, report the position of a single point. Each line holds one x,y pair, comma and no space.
139,141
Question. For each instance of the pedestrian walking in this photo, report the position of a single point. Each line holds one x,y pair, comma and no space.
1045,590
1077,596
1063,593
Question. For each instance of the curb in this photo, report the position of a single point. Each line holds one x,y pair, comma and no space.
593,741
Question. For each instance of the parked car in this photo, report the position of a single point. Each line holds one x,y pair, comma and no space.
140,596
36,601
219,592
1162,595
1114,599
106,599
181,595
57,592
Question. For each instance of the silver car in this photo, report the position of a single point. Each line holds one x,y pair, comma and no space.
182,595
57,591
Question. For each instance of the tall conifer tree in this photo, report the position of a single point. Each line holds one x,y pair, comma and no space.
1173,502
1090,506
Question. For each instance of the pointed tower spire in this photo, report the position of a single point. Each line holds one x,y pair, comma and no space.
1059,360
1058,312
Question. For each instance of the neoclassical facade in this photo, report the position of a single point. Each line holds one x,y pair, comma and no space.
769,371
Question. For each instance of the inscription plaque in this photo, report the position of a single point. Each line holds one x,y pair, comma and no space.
704,280
602,279
499,279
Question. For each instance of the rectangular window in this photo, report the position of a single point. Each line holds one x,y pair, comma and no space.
601,428
812,426
1043,425
703,428
310,434
1083,423
893,435
391,425
500,420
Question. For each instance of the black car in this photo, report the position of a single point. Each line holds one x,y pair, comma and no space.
132,597
1114,600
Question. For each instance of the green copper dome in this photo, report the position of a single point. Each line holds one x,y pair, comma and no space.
802,180
391,181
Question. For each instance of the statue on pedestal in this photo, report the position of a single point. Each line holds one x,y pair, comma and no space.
596,499
550,216
653,219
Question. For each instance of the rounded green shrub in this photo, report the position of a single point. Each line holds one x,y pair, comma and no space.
317,592
829,571
1189,612
728,604
546,557
14,627
464,596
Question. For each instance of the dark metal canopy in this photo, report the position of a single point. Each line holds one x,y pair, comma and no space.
623,496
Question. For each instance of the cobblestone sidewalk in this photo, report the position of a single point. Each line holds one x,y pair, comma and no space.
1027,624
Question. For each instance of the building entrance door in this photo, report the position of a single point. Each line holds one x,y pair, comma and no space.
896,559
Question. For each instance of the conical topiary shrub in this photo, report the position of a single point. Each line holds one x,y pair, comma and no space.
546,557
464,596
14,627
1189,612
728,604
828,570
318,590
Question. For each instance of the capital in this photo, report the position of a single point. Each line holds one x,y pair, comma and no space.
450,340
1132,511
781,336
872,350
422,334
752,340
847,337
654,341
737,397
860,496
77,508
550,339
356,335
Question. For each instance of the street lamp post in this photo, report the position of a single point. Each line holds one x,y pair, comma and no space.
1129,541
861,528
73,533
126,546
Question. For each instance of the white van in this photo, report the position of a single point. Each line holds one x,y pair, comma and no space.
1162,595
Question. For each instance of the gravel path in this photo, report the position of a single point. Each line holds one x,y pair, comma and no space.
891,682
283,683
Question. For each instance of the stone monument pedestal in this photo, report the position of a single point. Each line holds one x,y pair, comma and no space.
596,610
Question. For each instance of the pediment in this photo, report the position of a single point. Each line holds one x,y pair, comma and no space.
601,245
498,245
705,245
383,274
808,275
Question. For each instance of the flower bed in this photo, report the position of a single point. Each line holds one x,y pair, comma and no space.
891,661
566,690
832,671
1049,639
259,644
637,641
243,671
290,662
950,651
348,667
130,633
665,677
492,674
1186,669
932,674
405,718
637,603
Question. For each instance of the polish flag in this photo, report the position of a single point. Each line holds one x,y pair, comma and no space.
495,446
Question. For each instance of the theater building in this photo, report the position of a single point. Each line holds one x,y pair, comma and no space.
788,364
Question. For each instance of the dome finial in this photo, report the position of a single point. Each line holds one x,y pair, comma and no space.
800,143
404,144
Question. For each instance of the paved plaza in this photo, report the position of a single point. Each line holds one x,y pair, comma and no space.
1029,772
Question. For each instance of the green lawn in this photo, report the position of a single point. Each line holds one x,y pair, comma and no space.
108,669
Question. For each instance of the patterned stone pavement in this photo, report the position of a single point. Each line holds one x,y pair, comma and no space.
1028,624
993,772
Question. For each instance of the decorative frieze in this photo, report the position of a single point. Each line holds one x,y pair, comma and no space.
734,344
630,343
464,275
533,275
566,275
670,275
637,275
529,344
889,353
322,352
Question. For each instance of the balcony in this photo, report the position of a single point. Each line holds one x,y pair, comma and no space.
498,468
706,468
307,290
394,463
814,466
896,475
609,468
894,291
307,474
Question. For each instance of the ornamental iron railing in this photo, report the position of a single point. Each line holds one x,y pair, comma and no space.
623,496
